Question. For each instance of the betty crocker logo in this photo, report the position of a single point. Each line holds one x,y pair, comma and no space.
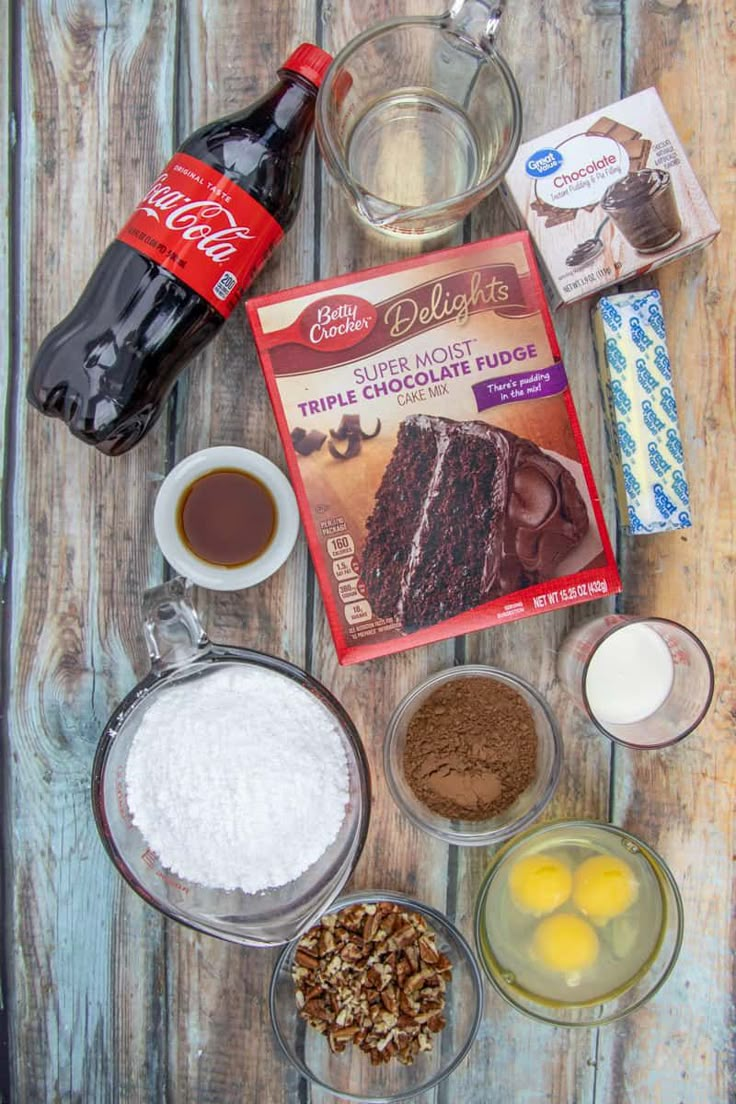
338,322
203,228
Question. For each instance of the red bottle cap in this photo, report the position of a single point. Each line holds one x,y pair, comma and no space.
310,62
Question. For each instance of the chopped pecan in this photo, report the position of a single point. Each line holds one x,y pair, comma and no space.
372,975
427,951
342,1034
437,1022
308,961
326,942
417,981
315,1009
352,952
412,955
336,1046
405,935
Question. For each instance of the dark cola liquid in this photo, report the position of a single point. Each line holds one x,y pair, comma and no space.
108,367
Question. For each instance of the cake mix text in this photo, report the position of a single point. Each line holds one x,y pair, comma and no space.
426,373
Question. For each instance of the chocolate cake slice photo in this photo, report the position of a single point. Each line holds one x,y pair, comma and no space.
465,512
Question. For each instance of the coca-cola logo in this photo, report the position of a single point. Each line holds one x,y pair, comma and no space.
204,221
337,322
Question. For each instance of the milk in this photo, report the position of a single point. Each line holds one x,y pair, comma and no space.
629,675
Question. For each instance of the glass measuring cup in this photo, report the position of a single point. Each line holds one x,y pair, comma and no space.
179,651
419,118
645,690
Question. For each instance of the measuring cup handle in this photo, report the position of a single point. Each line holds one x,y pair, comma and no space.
476,21
173,631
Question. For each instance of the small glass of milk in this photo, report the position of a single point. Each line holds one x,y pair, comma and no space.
644,681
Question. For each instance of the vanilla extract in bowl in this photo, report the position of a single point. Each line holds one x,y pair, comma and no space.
227,517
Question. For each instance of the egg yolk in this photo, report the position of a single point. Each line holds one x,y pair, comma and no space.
540,883
604,886
565,943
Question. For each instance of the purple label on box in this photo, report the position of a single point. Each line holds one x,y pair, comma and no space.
537,384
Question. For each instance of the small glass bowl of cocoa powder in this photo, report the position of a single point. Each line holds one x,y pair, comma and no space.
473,755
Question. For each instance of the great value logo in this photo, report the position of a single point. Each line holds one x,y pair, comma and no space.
543,162
578,172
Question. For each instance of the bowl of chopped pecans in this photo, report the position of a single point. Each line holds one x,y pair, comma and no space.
380,1000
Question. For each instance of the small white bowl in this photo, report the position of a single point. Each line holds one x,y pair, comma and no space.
213,576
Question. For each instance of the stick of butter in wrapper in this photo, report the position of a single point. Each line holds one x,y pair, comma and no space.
643,433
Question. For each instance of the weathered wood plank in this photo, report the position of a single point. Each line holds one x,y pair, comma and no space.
99,1008
6,342
527,1061
396,856
94,121
222,1048
682,800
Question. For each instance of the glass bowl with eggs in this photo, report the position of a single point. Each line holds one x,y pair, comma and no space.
578,923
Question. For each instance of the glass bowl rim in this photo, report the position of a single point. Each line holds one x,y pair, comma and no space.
493,836
661,868
373,896
214,655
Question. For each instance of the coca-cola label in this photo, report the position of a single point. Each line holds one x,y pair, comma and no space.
204,229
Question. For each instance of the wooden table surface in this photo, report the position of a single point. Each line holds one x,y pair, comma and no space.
102,999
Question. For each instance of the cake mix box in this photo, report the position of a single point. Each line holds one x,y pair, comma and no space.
608,197
433,446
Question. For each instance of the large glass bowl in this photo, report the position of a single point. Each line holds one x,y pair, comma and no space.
180,651
350,1075
527,807
648,980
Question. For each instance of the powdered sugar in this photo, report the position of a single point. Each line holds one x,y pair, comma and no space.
238,779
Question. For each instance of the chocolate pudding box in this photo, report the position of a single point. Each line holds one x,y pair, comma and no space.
433,446
608,197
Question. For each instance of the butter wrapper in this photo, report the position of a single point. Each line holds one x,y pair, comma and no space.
644,441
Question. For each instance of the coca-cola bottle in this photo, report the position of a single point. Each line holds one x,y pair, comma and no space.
165,286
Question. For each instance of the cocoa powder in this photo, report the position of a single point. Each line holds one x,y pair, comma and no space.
471,749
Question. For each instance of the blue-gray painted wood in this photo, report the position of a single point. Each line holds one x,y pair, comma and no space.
83,954
105,1001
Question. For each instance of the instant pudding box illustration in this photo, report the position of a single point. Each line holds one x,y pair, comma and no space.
608,197
434,447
